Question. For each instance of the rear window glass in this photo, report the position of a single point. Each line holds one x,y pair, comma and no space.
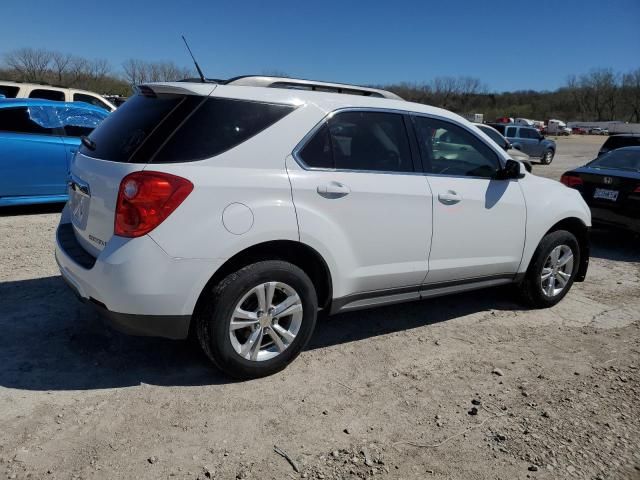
179,128
46,94
218,125
8,91
124,131
619,160
91,100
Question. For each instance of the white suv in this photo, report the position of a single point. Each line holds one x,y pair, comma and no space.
236,210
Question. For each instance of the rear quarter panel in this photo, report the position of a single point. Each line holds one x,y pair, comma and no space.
252,174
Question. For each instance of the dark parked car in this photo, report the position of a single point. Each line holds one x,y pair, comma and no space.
618,141
610,185
529,140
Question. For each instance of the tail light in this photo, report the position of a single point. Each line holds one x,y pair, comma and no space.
571,180
637,190
146,199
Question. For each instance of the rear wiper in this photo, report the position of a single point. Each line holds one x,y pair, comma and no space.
87,142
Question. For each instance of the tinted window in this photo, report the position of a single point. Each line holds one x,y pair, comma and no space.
126,129
218,125
619,160
18,120
451,150
511,132
495,136
317,152
47,94
8,91
91,100
374,141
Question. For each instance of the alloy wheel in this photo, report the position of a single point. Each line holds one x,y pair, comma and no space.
265,321
556,271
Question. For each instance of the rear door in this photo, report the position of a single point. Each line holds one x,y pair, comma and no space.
32,157
478,220
356,189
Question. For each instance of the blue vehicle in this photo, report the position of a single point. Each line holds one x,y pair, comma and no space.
38,139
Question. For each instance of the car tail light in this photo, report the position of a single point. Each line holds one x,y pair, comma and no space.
571,180
146,199
637,190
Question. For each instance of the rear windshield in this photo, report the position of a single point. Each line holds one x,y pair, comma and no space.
625,159
621,141
179,128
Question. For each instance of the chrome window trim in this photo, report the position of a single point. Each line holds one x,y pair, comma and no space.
303,143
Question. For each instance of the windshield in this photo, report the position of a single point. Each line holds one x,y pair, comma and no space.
619,160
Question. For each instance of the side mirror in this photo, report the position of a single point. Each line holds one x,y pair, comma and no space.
510,171
507,146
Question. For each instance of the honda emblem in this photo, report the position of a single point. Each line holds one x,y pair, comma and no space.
608,180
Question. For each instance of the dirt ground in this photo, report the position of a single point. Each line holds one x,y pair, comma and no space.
466,387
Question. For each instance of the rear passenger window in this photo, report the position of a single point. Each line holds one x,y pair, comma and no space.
317,152
8,91
47,94
18,120
91,100
218,125
363,141
448,149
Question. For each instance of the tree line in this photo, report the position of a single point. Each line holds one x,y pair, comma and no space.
98,75
598,95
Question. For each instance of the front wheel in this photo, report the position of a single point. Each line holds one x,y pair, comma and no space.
547,157
552,270
257,320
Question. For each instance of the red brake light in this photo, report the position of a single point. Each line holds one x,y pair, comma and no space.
571,180
146,199
637,190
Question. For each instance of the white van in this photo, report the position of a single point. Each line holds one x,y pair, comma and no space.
47,92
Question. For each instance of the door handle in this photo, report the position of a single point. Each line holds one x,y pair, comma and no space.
449,198
333,190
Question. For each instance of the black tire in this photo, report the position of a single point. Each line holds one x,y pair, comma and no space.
547,157
213,321
531,288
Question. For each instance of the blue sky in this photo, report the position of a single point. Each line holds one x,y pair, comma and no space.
509,45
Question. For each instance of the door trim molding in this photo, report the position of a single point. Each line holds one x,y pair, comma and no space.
389,296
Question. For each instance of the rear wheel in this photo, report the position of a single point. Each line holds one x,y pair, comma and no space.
552,270
257,320
547,157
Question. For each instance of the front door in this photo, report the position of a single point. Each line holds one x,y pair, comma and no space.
478,220
362,202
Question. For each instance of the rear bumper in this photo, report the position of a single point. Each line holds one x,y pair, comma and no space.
133,283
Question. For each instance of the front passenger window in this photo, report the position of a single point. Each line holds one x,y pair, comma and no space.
448,149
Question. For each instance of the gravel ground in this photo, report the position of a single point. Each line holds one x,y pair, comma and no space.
468,387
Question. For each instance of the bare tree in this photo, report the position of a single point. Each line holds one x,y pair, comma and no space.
138,71
60,63
30,64
631,93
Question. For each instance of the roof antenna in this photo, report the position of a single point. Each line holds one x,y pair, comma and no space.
204,80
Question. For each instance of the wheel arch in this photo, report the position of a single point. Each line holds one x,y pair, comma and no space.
297,253
581,231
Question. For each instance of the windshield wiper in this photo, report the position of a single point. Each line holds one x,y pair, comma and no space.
87,142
